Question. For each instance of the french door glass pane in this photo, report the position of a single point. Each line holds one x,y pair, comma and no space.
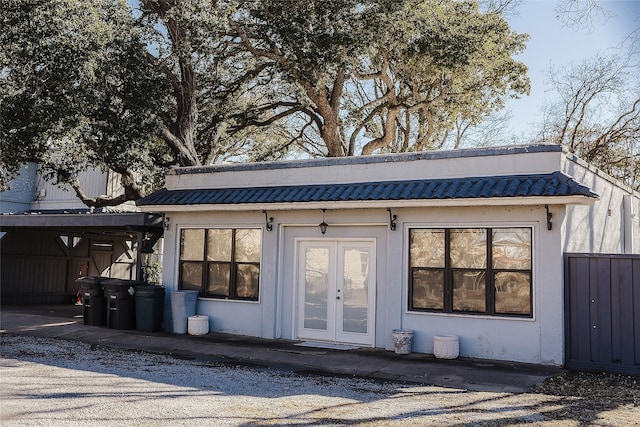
355,290
316,288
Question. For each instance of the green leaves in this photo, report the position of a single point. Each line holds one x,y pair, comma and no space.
75,82
192,82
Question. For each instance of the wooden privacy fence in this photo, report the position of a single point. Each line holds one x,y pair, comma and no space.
602,313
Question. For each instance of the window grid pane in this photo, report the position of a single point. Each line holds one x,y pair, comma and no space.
219,278
248,246
192,245
232,265
191,276
468,248
247,278
487,271
511,248
513,292
427,248
219,243
469,291
428,289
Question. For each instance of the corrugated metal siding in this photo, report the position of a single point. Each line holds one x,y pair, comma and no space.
94,183
603,313
34,280
37,268
30,242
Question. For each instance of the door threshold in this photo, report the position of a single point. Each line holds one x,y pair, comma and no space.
328,345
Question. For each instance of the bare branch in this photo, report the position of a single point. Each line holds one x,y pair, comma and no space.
581,14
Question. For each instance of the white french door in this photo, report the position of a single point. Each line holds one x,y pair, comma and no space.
336,288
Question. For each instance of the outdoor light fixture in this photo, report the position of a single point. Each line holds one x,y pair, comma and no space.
268,221
323,225
392,220
165,222
549,216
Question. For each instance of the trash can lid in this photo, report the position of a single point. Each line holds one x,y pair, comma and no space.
149,290
122,282
92,279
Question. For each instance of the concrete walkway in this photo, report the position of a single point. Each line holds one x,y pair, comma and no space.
65,322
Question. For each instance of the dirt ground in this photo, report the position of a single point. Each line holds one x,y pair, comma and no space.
594,398
53,383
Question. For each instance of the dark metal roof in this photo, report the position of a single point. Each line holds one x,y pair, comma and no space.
116,221
552,184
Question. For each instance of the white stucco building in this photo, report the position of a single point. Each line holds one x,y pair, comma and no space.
465,242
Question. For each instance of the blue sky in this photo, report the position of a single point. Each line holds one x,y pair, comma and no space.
551,44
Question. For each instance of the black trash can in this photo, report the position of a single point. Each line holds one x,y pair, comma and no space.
121,308
149,307
94,304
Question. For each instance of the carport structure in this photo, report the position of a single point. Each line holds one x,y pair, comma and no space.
44,252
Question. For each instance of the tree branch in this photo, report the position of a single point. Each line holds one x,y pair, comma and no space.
128,183
244,38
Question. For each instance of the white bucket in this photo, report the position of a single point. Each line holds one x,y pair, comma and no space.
446,346
402,340
198,325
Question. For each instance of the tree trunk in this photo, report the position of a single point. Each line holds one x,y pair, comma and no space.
328,107
180,134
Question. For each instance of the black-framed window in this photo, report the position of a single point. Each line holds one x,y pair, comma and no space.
221,262
471,270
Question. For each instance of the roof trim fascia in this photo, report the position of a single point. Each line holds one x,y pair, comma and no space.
83,220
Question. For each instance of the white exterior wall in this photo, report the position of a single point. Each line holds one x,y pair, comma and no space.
538,339
22,191
340,170
30,191
50,196
535,340
237,317
611,225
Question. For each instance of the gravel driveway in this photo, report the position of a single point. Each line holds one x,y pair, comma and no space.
46,382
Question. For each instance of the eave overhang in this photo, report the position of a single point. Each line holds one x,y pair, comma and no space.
511,201
533,189
130,221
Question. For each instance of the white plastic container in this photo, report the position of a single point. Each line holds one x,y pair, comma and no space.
402,340
446,346
198,325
